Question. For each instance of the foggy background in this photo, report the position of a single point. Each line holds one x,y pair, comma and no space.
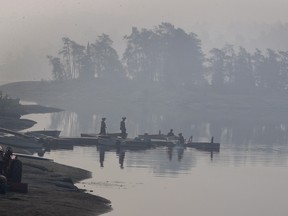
32,29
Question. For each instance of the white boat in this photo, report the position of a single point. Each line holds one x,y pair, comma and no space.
15,141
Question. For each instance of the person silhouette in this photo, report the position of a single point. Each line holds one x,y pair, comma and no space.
123,128
170,133
103,127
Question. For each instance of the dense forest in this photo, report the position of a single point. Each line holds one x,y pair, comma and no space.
170,57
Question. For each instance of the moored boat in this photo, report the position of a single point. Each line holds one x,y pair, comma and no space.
97,135
207,146
43,133
136,143
14,141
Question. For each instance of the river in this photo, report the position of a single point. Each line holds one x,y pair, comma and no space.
248,176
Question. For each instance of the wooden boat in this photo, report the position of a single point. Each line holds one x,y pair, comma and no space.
97,135
127,143
31,157
43,133
157,137
109,141
15,141
206,146
136,143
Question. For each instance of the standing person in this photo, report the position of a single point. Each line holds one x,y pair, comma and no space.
103,127
181,138
1,160
170,133
123,128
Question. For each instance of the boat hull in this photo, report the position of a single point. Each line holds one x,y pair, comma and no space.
207,146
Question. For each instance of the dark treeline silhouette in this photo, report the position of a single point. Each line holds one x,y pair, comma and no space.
169,56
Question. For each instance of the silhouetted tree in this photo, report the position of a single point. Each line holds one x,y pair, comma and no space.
65,52
105,58
216,67
87,68
283,69
78,54
243,72
182,55
72,55
140,54
164,54
258,60
58,71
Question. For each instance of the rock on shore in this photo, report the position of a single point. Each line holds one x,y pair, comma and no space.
51,192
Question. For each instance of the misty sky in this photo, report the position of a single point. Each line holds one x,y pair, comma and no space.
37,26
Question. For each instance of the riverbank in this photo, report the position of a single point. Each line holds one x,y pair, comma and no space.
51,192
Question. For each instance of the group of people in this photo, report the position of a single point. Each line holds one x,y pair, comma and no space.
124,134
5,160
180,136
5,164
122,127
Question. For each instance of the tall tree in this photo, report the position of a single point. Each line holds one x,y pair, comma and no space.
58,71
283,69
140,54
182,55
243,73
65,52
164,54
216,67
106,59
72,55
87,69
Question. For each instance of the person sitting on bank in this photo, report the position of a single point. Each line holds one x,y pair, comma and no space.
123,128
181,139
103,127
170,133
1,161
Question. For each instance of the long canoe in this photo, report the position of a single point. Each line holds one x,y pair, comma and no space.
21,142
157,137
207,146
101,135
39,133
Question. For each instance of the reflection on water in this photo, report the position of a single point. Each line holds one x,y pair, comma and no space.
246,177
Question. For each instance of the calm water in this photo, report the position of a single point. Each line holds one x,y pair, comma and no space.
247,177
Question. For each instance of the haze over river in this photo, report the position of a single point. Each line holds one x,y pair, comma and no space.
247,177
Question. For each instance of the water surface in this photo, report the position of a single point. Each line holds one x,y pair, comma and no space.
247,177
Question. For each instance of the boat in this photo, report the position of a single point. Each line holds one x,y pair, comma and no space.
136,143
158,137
109,141
206,146
16,141
31,157
106,135
124,143
43,133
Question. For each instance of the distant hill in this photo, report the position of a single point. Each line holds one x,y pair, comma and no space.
200,102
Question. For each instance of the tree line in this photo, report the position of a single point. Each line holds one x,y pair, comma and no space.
172,57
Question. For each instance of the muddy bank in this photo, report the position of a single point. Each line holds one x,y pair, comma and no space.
51,192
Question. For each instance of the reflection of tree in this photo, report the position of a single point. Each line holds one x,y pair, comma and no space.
68,122
241,131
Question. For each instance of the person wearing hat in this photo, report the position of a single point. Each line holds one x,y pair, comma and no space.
181,138
1,160
103,127
123,128
170,133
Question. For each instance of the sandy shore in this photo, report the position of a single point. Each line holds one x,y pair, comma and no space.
51,192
